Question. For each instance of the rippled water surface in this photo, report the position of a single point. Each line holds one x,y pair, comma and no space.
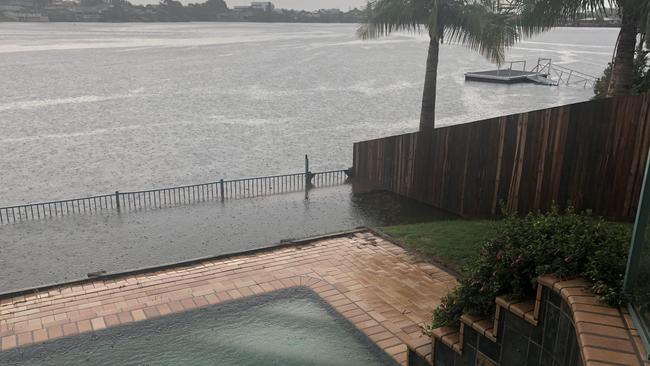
286,328
94,108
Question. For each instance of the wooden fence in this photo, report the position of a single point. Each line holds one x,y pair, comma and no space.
591,154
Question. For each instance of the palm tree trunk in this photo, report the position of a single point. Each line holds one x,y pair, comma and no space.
622,76
428,112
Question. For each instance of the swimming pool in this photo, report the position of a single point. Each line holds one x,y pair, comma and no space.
288,327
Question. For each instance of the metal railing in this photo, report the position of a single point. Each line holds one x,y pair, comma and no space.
562,75
181,195
510,68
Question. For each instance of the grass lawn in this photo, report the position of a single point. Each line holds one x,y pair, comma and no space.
451,242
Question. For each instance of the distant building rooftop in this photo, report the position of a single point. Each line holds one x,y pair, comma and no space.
256,5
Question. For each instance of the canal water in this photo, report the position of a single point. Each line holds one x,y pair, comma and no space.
93,108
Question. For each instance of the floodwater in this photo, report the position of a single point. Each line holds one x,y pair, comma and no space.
291,327
93,108
66,248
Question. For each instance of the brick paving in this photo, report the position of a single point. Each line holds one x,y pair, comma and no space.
385,291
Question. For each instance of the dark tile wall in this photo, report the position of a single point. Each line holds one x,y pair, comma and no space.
552,342
415,360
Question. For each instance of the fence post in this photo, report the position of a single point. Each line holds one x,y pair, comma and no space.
117,199
221,190
307,178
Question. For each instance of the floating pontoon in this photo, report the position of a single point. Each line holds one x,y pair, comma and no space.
544,73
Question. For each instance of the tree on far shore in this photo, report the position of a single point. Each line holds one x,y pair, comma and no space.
172,11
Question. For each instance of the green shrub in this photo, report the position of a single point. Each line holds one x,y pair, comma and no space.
566,243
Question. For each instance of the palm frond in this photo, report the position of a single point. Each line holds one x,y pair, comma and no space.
645,24
480,28
387,16
537,16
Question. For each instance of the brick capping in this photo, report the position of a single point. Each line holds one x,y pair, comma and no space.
387,292
605,335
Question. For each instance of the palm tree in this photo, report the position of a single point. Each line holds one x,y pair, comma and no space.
482,25
635,19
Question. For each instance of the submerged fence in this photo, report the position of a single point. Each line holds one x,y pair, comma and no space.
166,197
591,154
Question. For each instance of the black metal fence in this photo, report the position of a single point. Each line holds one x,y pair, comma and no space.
166,197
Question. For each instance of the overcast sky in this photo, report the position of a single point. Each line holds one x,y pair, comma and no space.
286,4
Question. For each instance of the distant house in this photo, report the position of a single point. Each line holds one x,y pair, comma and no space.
263,5
16,5
333,11
20,11
77,11
255,7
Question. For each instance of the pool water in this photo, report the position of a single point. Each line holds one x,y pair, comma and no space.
288,327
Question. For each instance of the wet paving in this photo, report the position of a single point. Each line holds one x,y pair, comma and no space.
65,248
